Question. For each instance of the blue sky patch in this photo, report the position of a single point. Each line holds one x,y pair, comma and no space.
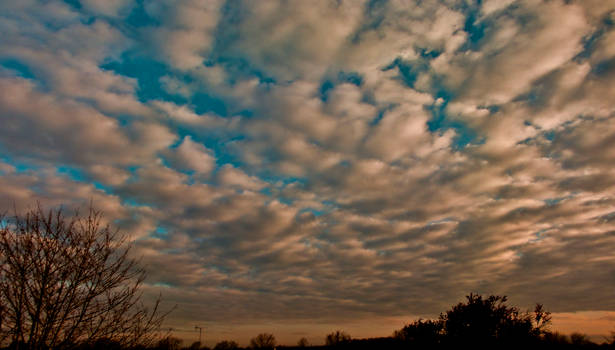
329,83
239,69
325,88
441,122
408,70
148,73
20,166
22,70
315,212
138,17
203,102
604,67
591,40
74,3
476,29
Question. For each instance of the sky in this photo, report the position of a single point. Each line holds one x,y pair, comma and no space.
297,167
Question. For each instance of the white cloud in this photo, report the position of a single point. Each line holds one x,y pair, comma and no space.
511,61
231,176
289,40
190,155
186,35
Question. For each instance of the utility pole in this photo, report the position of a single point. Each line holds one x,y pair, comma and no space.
200,333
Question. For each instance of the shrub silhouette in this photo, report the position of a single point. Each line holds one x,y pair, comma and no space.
226,345
169,343
579,339
303,342
479,322
102,344
555,339
421,333
490,321
337,338
263,341
194,346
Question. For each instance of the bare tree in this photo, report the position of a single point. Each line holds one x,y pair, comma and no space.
66,281
263,341
303,342
337,338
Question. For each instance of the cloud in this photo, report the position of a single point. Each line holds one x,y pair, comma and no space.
287,40
111,8
53,189
58,130
230,176
338,163
512,56
192,156
186,33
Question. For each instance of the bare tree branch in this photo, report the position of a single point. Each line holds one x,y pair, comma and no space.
66,281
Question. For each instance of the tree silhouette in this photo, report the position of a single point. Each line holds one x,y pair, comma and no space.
68,281
579,339
226,345
195,345
303,342
263,341
555,339
490,321
169,343
423,333
337,338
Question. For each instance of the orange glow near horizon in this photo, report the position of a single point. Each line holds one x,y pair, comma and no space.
597,325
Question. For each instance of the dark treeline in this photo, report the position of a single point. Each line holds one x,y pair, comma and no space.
476,323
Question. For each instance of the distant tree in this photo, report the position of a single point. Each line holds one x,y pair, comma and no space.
303,342
195,346
337,338
491,321
421,333
169,343
580,339
66,281
555,339
263,341
102,344
226,345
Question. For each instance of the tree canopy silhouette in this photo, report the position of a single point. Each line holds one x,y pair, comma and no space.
66,281
337,338
226,345
478,322
169,343
490,321
303,342
421,333
263,341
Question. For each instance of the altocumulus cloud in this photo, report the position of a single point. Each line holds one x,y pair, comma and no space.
330,162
